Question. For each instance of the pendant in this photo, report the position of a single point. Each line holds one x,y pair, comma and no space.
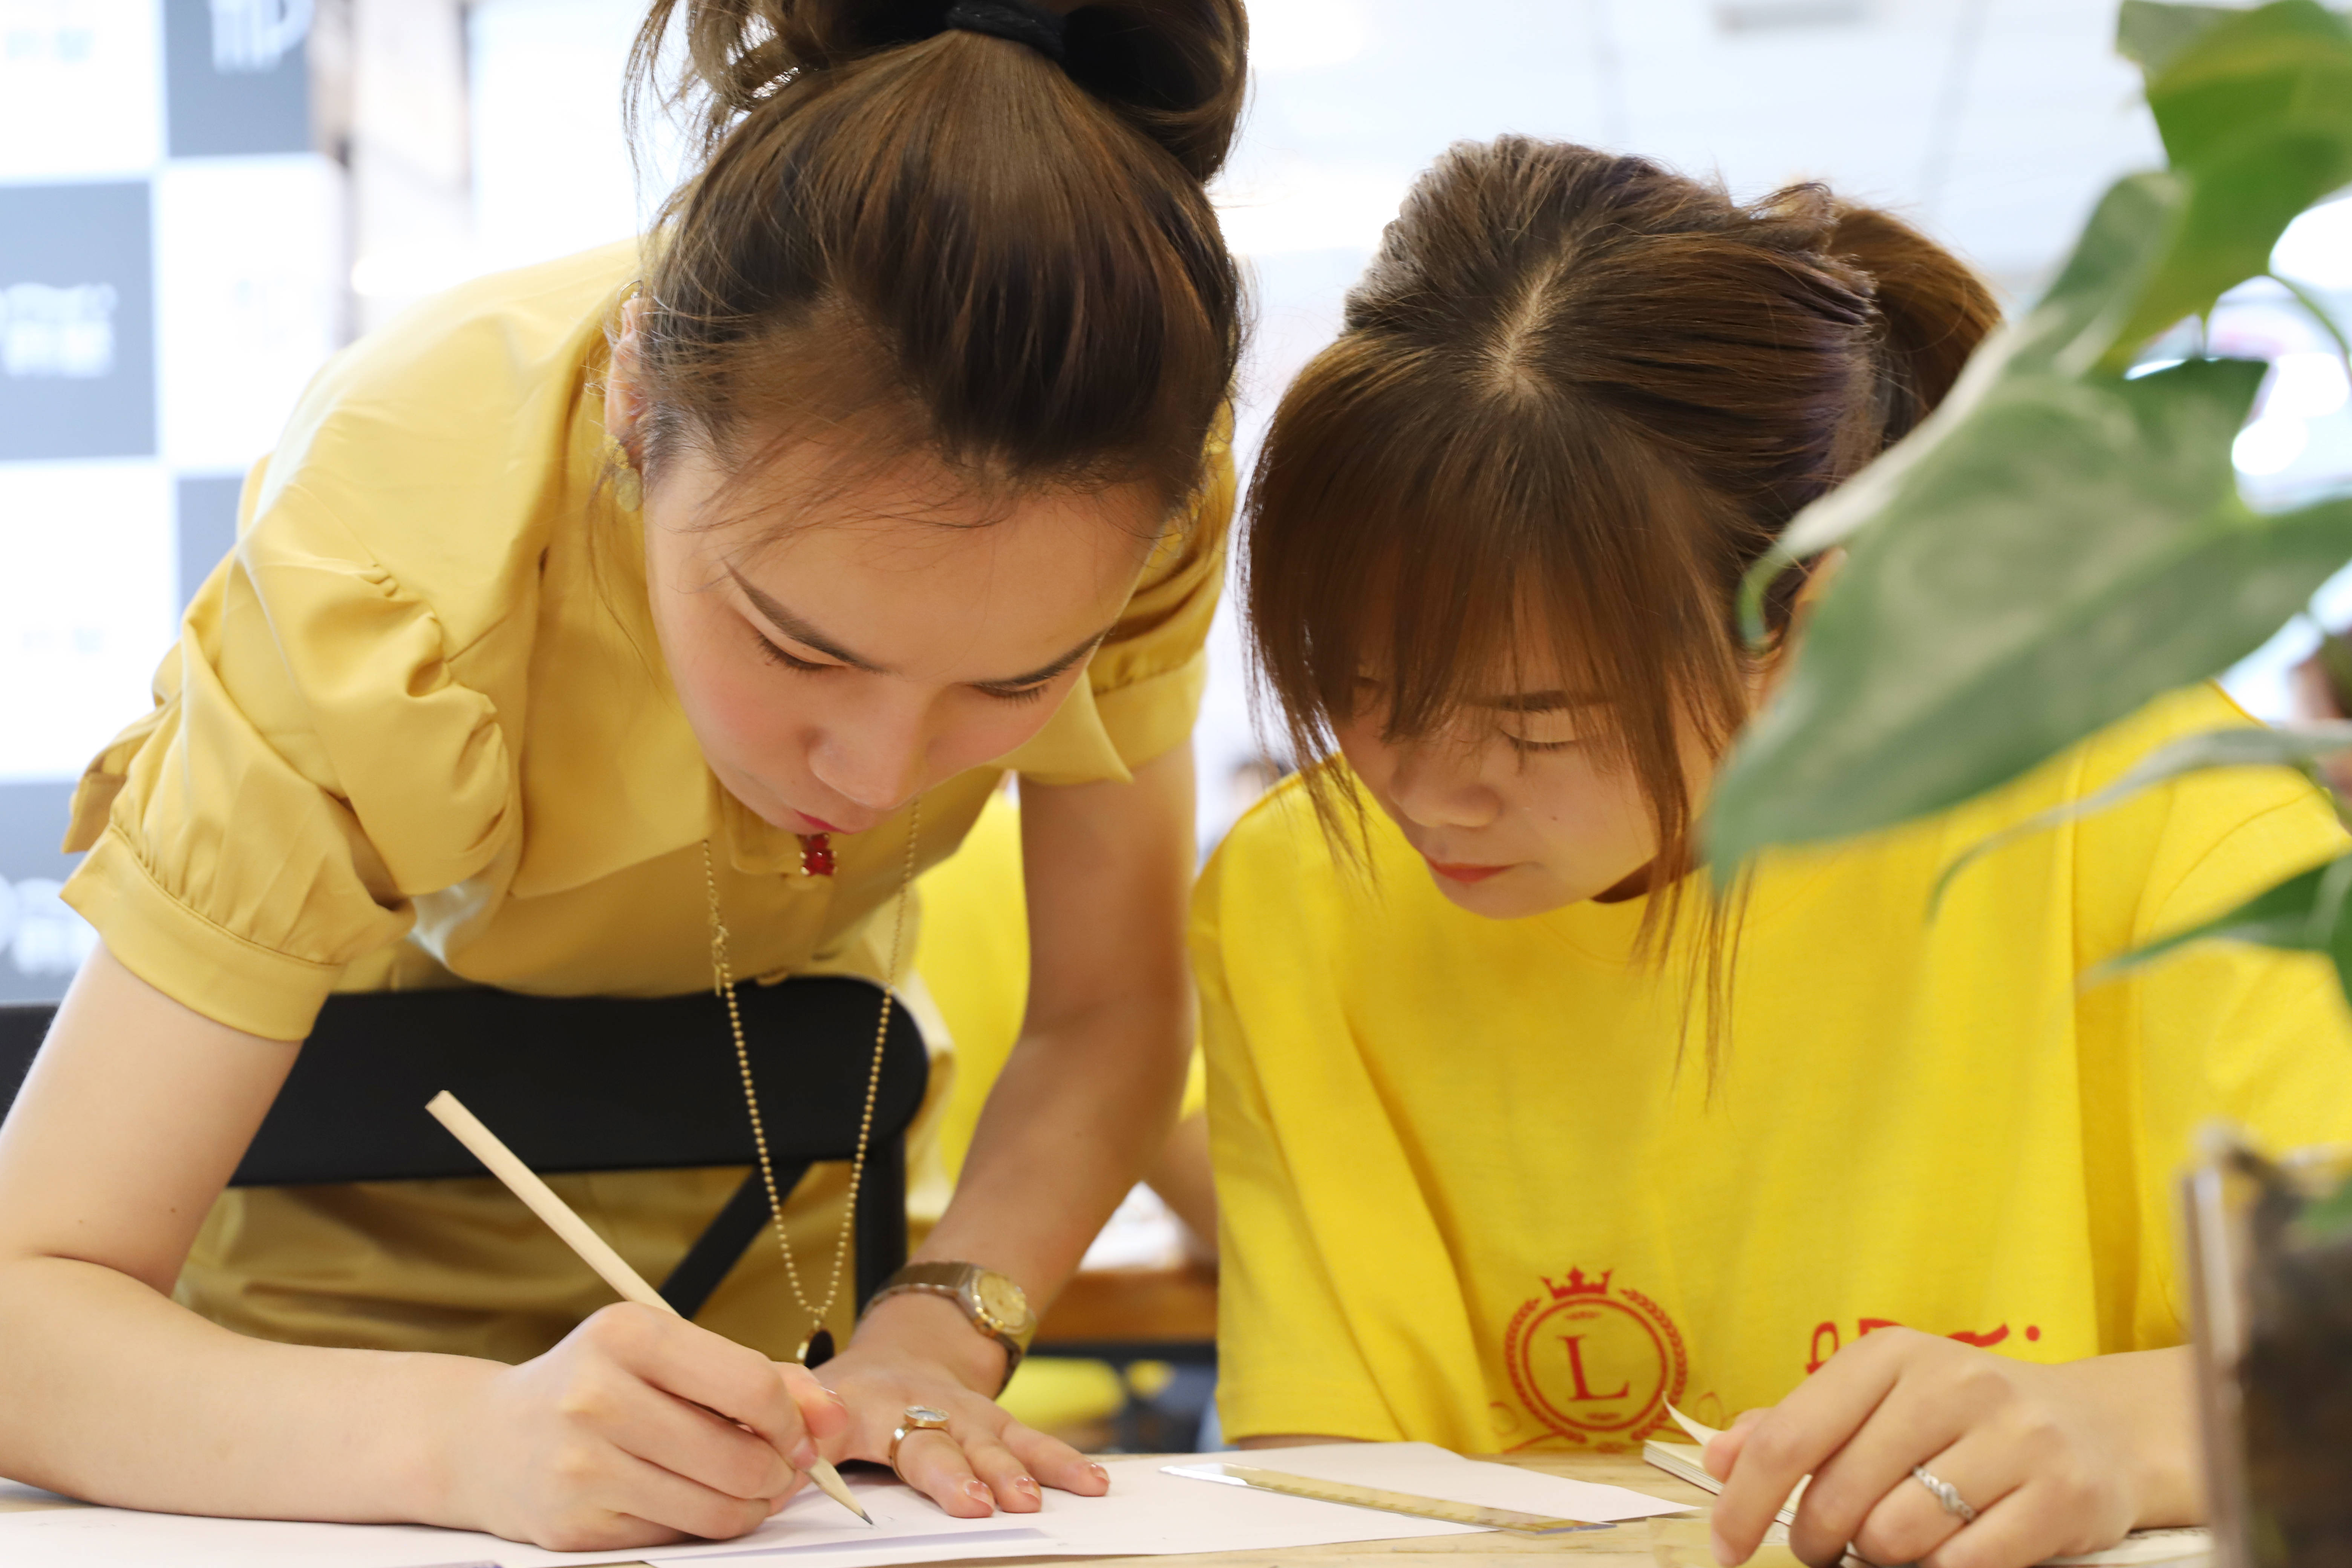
816,854
816,1350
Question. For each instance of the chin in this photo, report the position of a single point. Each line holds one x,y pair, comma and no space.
1517,893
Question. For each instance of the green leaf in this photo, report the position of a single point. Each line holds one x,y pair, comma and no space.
2076,552
2305,914
2256,110
2151,35
2240,746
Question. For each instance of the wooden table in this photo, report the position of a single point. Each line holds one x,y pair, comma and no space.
1131,1306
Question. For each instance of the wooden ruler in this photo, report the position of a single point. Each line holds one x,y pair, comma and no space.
1444,1508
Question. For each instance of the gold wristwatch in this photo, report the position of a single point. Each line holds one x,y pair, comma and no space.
996,1305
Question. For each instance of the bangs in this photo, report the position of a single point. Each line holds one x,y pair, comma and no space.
1469,547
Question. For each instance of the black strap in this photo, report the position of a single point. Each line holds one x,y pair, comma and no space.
1018,20
724,1241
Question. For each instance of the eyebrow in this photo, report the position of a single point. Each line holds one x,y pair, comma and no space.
802,632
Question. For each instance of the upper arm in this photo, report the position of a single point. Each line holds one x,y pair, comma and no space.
1107,868
131,1122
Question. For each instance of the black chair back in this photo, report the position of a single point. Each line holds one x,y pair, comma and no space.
595,1084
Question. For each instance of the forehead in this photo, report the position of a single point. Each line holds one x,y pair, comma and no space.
922,569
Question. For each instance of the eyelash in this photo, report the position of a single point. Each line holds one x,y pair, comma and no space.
777,655
1526,748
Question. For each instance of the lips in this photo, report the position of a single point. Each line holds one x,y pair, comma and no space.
1464,873
817,824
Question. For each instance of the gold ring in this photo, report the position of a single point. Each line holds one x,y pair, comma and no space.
916,1418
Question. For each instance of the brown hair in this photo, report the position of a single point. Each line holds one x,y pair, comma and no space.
1576,396
1017,257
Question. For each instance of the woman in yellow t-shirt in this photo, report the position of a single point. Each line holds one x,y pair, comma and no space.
1518,1137
740,569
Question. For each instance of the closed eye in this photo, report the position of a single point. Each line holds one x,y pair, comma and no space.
774,654
1015,693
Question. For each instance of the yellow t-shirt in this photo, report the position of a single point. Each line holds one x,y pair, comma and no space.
1471,1197
416,731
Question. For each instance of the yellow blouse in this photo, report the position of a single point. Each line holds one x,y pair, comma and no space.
416,731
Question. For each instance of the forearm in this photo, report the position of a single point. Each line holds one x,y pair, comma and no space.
112,1393
1080,1112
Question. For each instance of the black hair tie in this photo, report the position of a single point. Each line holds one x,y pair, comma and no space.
1018,20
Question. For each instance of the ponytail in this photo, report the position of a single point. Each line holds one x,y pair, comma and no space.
1935,308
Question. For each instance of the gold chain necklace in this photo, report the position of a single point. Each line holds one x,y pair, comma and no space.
817,1346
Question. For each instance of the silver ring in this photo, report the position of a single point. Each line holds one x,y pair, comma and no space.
1946,1493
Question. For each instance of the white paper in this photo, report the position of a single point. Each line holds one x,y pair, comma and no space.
1147,1512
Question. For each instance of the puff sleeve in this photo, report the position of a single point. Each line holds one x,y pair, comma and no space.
315,760
1147,677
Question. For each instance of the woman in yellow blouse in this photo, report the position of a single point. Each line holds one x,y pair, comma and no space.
580,597
1519,1138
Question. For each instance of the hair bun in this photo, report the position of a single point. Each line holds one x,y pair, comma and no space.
1174,69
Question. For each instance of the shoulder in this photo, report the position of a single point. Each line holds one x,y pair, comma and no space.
1281,880
489,341
437,452
2186,847
1278,839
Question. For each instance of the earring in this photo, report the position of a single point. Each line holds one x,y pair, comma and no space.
628,484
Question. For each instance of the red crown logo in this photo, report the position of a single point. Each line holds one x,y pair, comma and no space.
1578,1285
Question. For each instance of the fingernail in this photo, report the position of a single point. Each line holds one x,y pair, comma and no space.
1721,1548
1024,1484
803,1456
834,1394
978,1493
1098,1472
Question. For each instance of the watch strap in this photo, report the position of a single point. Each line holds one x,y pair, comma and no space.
960,1282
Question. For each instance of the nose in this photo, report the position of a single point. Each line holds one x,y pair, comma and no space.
1439,786
873,758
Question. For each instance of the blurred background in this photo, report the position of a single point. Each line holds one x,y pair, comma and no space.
200,200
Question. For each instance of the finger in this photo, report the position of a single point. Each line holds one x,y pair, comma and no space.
932,1462
1053,1462
1003,1473
708,1370
2019,1528
1795,1436
822,1411
1872,1468
1911,1521
690,1441
671,1502
1722,1450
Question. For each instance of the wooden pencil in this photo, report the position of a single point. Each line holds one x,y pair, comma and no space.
593,1251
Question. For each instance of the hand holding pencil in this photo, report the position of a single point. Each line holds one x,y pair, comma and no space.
683,1429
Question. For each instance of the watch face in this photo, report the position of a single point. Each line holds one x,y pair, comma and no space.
1001,1299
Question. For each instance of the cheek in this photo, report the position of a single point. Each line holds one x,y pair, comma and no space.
976,728
1591,814
1360,743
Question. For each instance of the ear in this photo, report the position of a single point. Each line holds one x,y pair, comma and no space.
625,401
1818,578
